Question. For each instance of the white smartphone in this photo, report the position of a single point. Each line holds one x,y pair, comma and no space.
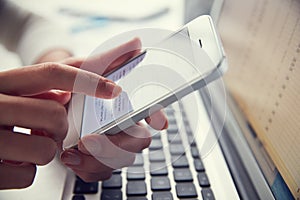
180,64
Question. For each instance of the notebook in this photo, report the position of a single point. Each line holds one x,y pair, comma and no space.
264,79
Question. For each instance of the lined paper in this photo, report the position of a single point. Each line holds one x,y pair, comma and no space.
262,42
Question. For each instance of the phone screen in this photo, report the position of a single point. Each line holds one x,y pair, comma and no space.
155,73
100,112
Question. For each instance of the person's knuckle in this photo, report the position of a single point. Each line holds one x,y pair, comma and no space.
48,155
3,107
58,110
51,69
59,116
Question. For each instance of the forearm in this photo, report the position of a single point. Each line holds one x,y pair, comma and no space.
32,37
12,22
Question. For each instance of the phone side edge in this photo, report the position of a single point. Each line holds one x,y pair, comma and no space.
75,116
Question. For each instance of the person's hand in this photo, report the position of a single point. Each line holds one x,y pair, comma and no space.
26,101
98,155
53,55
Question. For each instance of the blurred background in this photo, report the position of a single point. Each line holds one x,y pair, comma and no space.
89,23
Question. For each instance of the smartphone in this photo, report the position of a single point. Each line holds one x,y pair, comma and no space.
181,63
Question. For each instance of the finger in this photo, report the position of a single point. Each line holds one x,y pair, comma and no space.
158,120
134,139
91,169
74,61
46,115
93,177
16,177
116,151
109,154
82,162
37,79
104,63
26,148
55,54
59,96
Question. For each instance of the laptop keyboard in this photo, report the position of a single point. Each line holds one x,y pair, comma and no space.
170,168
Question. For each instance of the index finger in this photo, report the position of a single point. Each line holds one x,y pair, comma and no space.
43,77
109,60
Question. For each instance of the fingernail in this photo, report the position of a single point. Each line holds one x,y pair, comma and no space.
166,125
70,158
113,89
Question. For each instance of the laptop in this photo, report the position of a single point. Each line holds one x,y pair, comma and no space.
226,154
234,159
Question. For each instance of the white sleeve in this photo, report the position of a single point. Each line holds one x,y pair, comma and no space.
27,34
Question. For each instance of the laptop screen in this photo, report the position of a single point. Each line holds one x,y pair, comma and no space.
262,41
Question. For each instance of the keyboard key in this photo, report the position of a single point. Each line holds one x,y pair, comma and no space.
188,129
174,138
169,111
137,198
182,175
171,119
183,114
78,197
108,194
180,162
191,140
117,171
172,128
207,194
115,182
199,165
135,173
156,135
82,187
186,123
157,156
162,196
203,179
158,169
195,152
136,188
139,160
176,149
155,144
160,183
186,190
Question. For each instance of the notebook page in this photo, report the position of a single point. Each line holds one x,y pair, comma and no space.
262,42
